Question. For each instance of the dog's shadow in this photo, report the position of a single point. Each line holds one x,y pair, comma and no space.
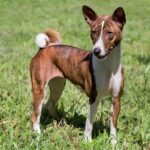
77,120
143,59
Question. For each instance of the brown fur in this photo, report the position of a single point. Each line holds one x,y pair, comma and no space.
112,30
54,37
116,105
75,64
64,61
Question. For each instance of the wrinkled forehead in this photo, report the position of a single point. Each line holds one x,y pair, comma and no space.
104,20
104,17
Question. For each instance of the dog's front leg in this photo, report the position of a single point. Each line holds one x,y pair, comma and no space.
118,84
89,120
114,113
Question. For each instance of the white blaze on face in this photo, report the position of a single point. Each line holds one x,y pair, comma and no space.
100,43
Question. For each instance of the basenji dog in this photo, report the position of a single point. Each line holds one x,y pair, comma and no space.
98,72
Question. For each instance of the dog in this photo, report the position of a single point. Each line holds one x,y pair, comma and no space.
98,72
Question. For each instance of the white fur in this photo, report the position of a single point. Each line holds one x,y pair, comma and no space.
116,82
36,127
89,121
108,80
41,40
100,43
108,73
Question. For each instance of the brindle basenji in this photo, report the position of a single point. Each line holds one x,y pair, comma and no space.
98,72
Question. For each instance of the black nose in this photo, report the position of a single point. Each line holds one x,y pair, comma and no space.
97,51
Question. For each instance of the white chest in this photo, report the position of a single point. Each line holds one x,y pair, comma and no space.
107,74
102,78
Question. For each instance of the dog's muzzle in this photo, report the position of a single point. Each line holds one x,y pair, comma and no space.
97,53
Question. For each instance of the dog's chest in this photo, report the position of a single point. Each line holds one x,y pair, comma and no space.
102,79
103,73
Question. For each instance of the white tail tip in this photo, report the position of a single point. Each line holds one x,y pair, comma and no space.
41,40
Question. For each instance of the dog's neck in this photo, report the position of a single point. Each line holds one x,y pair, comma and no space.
111,63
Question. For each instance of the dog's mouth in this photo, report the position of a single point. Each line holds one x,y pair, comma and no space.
102,57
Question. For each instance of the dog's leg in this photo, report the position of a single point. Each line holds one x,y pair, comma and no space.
116,104
90,119
115,109
56,86
38,97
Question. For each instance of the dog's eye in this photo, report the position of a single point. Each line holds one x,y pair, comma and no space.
110,34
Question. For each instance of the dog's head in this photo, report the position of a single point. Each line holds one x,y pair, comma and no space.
106,30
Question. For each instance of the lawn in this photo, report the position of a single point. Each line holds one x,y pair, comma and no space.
20,21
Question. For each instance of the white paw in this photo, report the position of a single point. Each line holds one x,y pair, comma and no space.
87,137
36,128
114,142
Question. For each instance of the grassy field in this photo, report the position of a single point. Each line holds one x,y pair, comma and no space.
20,21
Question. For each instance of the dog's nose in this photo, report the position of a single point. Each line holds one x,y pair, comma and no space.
97,51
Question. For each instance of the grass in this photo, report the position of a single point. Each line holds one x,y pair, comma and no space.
20,21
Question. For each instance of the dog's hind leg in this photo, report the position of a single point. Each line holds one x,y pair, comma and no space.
38,98
56,86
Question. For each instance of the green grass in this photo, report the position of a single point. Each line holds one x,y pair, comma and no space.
20,21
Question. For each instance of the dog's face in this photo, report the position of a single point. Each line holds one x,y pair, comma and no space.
106,31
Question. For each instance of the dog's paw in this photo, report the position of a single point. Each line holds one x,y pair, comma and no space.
114,143
87,138
36,128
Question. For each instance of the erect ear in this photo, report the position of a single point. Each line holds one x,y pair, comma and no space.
119,16
89,14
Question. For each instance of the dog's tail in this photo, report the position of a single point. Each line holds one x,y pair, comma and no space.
47,38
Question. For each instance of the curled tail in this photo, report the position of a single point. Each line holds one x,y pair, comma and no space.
47,38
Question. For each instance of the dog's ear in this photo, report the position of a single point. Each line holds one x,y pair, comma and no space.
119,16
89,14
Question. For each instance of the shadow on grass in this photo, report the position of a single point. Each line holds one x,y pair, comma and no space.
143,59
77,120
100,127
